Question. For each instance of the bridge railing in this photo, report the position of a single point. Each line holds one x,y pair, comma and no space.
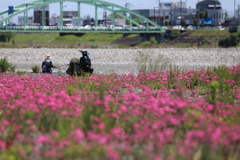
81,28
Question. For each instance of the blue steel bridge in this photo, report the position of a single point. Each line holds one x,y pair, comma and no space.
134,27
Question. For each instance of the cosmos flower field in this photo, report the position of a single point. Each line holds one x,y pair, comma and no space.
171,115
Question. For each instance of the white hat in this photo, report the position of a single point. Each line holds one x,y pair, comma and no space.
48,56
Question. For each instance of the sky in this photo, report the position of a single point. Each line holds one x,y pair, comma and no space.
132,4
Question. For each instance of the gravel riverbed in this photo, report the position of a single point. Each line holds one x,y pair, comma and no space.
124,61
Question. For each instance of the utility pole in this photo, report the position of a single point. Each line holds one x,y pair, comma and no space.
180,11
159,5
105,17
234,12
154,15
198,13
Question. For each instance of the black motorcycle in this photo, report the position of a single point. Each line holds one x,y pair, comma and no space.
78,67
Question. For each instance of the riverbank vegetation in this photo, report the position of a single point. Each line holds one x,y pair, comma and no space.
209,38
185,115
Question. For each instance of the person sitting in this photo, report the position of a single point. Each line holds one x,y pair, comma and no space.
74,67
47,65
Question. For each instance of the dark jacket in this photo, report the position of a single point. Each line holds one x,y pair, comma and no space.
85,64
47,66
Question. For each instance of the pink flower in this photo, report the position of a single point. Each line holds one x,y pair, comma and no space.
43,139
124,109
2,145
77,135
116,131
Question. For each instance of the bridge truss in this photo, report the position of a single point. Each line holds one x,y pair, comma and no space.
151,27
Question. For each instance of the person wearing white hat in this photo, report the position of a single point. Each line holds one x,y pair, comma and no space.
47,65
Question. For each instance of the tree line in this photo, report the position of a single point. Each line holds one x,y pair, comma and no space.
6,36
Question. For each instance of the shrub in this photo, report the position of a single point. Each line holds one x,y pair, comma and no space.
183,22
146,63
145,44
71,46
5,65
166,23
174,34
35,69
207,41
6,37
153,40
20,73
231,40
60,38
93,46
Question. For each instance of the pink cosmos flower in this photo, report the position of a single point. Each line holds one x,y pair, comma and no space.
77,135
2,145
43,139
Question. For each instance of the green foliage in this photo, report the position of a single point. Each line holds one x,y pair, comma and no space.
147,64
166,23
20,73
230,41
174,34
153,41
195,21
225,90
60,38
6,37
35,69
183,22
5,66
210,33
93,46
70,46
150,43
207,41
213,98
203,14
145,44
136,20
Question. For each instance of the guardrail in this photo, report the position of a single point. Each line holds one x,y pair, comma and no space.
76,28
100,28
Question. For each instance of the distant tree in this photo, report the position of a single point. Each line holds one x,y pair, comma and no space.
202,14
183,22
6,37
174,34
230,41
166,23
195,21
136,20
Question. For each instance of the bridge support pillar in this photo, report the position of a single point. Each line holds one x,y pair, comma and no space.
43,17
96,17
61,15
79,15
25,20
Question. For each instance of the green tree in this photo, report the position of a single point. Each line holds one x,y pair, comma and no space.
6,37
183,22
230,41
136,20
195,21
166,23
202,14
174,34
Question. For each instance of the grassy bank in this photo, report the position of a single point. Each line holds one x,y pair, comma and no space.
55,39
99,39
